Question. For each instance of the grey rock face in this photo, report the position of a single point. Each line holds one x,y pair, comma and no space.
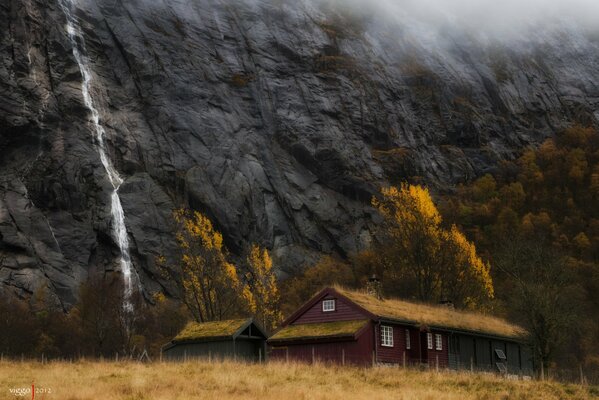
279,119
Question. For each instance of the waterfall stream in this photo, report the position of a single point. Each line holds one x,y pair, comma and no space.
118,216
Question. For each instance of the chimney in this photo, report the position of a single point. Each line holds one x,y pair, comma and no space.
373,287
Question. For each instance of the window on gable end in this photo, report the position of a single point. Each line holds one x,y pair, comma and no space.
328,305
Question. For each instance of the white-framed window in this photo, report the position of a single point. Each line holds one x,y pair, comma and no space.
408,342
429,341
328,305
386,336
438,342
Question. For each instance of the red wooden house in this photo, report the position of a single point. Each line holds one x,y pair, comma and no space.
352,327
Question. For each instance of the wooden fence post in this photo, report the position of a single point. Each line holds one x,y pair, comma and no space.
287,354
312,354
404,359
542,371
260,356
437,363
581,374
342,356
184,355
373,358
471,364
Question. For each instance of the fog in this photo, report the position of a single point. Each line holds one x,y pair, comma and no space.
428,21
490,15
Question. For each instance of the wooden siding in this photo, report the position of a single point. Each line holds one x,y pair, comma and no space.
395,354
471,351
353,352
241,349
514,364
460,350
344,311
434,355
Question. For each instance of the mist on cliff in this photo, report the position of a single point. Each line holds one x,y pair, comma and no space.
429,21
489,19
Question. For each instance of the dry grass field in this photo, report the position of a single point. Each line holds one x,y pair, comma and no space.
273,381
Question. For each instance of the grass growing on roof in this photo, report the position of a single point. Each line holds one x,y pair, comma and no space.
197,330
319,330
431,315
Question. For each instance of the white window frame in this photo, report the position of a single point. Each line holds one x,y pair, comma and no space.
438,341
408,340
328,305
386,336
429,340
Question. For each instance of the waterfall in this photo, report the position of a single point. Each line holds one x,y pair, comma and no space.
118,216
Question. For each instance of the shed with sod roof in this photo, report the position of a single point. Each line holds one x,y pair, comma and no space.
236,339
355,327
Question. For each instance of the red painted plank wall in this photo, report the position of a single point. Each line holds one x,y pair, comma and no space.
343,312
358,352
442,354
414,351
391,354
395,354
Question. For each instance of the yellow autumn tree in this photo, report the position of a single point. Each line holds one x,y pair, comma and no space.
466,277
208,283
263,296
419,254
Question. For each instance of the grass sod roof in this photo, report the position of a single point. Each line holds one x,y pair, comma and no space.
319,330
209,330
435,316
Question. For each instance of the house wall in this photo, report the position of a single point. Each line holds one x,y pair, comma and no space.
243,349
344,311
418,352
514,363
414,351
355,352
395,354
484,358
468,351
434,356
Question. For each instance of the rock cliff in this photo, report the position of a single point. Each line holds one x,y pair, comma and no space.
279,119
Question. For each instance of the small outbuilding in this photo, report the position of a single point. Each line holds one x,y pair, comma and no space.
237,339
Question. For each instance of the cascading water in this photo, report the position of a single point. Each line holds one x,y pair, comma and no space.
118,216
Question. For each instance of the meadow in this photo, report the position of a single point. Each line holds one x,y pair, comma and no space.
86,380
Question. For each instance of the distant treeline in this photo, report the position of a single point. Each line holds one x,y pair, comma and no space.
97,326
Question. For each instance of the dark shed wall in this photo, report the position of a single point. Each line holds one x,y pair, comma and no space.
217,349
465,353
344,311
513,357
484,358
480,351
526,359
243,349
